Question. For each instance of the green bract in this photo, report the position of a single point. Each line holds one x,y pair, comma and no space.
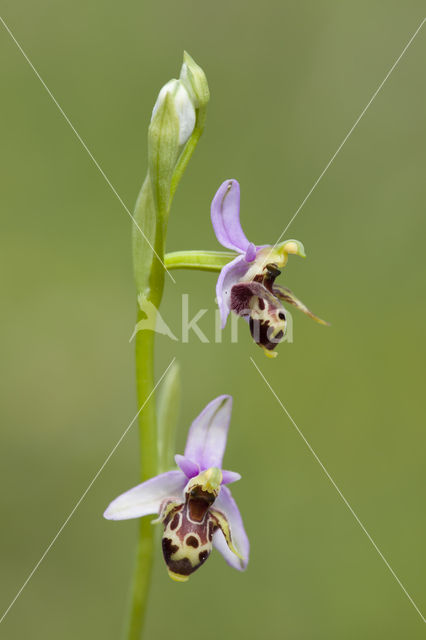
195,81
163,146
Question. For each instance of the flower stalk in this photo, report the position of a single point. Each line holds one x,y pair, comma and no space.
149,276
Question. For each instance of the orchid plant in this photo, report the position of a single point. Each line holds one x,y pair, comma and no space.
192,502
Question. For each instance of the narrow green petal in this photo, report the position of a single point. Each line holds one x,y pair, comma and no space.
163,147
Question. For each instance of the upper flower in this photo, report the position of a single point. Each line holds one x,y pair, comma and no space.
246,285
193,503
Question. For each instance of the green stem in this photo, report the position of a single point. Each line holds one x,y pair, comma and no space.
141,580
150,282
201,260
148,456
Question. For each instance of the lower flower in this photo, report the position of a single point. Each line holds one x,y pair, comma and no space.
193,503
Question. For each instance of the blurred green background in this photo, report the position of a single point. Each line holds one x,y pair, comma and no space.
287,80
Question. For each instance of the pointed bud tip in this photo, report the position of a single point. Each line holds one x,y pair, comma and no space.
195,81
187,58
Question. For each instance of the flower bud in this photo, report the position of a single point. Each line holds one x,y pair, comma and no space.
195,81
183,105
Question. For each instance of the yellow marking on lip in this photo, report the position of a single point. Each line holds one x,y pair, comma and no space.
226,530
268,352
177,577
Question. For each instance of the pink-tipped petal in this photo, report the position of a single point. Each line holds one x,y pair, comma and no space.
225,214
230,476
208,433
190,468
226,503
231,274
145,498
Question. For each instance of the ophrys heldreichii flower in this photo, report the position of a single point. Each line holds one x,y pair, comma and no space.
193,503
246,285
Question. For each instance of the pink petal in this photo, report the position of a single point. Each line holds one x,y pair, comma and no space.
226,503
146,498
208,433
190,468
225,214
230,476
231,274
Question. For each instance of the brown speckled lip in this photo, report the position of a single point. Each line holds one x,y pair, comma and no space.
260,334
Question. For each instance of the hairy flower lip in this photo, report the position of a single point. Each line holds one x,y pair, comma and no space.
202,460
